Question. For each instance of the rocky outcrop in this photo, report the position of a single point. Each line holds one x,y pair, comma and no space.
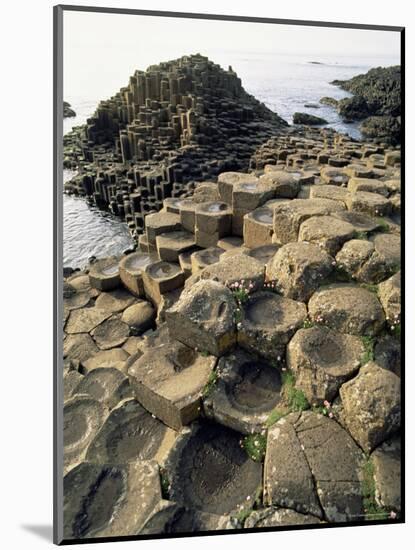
67,110
308,120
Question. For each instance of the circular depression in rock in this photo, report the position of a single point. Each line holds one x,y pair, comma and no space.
265,310
213,473
129,433
209,256
257,387
81,420
248,186
103,488
111,269
214,207
162,270
263,215
264,253
137,262
326,350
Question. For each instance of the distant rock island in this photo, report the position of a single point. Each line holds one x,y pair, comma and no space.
376,101
67,110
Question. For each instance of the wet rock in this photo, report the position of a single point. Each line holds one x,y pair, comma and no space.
130,433
322,360
305,118
161,277
168,381
387,474
170,245
82,418
258,227
334,176
85,319
110,500
131,271
222,478
372,405
268,323
108,359
276,517
139,317
327,232
204,317
299,269
106,385
104,274
245,393
289,216
79,347
111,333
347,308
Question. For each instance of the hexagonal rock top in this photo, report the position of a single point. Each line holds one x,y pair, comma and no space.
327,232
111,333
384,261
168,381
286,184
209,471
347,308
268,323
130,433
321,360
387,473
109,386
231,270
288,216
170,245
104,274
131,271
110,499
299,269
246,392
204,317
313,466
389,293
372,405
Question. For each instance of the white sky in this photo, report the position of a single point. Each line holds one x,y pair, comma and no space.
107,48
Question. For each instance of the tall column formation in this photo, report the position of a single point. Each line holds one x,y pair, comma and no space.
177,123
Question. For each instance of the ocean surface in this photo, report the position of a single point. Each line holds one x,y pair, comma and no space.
284,83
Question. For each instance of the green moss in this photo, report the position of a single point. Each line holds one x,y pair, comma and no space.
370,287
308,323
210,384
368,344
275,415
361,235
370,507
384,226
204,353
255,445
295,399
165,484
238,316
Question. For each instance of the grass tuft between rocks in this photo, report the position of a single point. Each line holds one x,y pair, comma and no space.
370,507
368,354
164,484
295,399
210,384
255,446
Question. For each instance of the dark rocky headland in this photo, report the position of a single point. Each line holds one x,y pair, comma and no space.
376,101
241,367
68,112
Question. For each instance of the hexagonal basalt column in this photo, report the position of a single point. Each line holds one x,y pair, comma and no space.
161,277
246,196
213,221
327,232
187,209
286,184
268,323
227,180
104,274
245,393
369,203
110,500
263,254
203,258
107,385
204,317
130,433
161,222
131,271
170,245
321,360
236,268
82,418
258,227
222,478
168,381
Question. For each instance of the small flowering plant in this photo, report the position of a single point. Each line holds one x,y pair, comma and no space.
241,290
325,409
271,285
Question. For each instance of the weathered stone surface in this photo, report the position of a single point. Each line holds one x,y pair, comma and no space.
82,418
384,261
187,214
230,271
227,180
212,218
131,344
387,473
128,434
107,385
161,222
332,192
247,196
321,360
71,379
361,222
245,393
299,269
161,277
353,256
168,381
191,520
334,176
110,500
204,317
389,293
258,227
229,243
369,185
347,308
268,323
139,317
104,274
289,216
276,517
114,301
387,353
85,319
286,184
79,347
170,245
222,475
131,271
73,299
327,232
263,253
203,258
369,203
372,405
111,333
167,301
113,358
